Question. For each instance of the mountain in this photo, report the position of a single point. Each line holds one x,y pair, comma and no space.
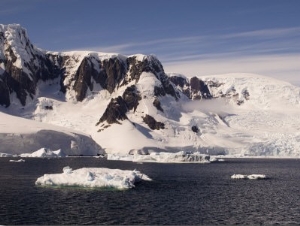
128,104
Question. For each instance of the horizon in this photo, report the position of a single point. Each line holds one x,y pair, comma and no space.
194,38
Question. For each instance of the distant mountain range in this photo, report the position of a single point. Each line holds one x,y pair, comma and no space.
104,102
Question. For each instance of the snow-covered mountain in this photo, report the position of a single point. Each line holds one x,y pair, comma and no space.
128,104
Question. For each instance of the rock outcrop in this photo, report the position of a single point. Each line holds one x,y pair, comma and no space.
193,88
152,123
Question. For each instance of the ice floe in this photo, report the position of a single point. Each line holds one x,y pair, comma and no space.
44,153
163,157
93,178
251,176
19,160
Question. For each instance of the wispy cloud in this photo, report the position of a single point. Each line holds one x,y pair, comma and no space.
265,33
263,41
271,52
283,66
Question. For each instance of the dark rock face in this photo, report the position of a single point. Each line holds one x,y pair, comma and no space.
153,65
118,107
183,84
115,111
199,90
194,89
152,123
195,129
131,97
156,103
4,91
179,81
83,79
112,73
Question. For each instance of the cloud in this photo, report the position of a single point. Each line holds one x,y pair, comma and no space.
282,66
265,33
218,106
270,52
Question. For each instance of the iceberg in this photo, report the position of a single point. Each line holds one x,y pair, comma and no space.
19,160
163,157
44,153
93,178
251,176
6,155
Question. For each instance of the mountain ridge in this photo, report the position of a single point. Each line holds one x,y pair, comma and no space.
128,104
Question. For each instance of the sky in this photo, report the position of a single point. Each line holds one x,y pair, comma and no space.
191,37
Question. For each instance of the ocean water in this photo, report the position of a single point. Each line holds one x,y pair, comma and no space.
179,194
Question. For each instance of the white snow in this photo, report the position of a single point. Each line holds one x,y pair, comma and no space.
251,176
19,135
19,160
44,153
93,178
266,123
163,157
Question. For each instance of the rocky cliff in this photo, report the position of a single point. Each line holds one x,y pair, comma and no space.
23,66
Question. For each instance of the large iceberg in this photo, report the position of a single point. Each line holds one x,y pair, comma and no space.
93,178
163,157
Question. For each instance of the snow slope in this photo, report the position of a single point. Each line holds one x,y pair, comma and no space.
19,135
266,123
268,119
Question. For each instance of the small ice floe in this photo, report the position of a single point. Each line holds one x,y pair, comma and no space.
44,153
19,160
93,178
251,176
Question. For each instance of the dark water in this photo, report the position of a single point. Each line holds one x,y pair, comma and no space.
179,194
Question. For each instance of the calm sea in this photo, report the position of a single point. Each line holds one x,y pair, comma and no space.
179,194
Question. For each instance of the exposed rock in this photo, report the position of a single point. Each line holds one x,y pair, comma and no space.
4,91
83,79
24,64
131,97
153,65
195,129
156,103
152,123
112,73
115,111
194,89
199,90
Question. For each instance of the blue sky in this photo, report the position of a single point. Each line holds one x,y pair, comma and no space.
193,37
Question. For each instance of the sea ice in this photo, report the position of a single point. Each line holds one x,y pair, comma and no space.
44,153
251,176
19,160
93,177
163,157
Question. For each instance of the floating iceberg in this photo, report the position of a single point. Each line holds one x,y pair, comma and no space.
6,155
44,153
19,160
251,177
93,178
163,157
